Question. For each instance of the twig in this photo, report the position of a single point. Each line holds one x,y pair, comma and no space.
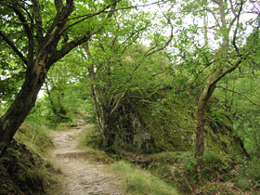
238,93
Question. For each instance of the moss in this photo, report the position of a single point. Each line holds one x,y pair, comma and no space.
169,130
162,123
23,165
34,136
26,170
222,140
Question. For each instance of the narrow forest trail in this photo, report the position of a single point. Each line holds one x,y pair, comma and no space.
80,175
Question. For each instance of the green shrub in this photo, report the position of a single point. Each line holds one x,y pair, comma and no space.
91,137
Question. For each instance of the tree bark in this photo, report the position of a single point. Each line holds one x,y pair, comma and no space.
36,72
201,114
22,105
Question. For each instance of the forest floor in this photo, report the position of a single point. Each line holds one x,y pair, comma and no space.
80,175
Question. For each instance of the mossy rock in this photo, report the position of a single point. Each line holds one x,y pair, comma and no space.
162,123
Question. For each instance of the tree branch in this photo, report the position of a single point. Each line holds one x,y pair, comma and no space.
216,1
38,20
231,69
23,20
28,31
85,17
59,5
68,47
55,31
232,7
232,91
134,35
118,9
213,14
104,10
15,49
150,52
235,32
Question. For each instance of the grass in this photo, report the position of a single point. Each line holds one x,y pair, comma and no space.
141,182
25,161
34,136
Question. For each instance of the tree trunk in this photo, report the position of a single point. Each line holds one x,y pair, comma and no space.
102,113
216,76
24,102
99,104
201,114
199,144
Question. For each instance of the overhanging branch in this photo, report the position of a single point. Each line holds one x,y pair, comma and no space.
85,17
238,93
235,32
28,31
68,47
105,10
155,49
23,20
15,49
231,69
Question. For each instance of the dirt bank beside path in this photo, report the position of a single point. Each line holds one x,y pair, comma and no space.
80,176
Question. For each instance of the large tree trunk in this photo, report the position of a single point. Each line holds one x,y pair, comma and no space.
37,65
24,102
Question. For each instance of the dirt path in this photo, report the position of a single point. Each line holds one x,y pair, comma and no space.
80,176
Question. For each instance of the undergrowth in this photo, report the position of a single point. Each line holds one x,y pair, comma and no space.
220,174
24,168
141,182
